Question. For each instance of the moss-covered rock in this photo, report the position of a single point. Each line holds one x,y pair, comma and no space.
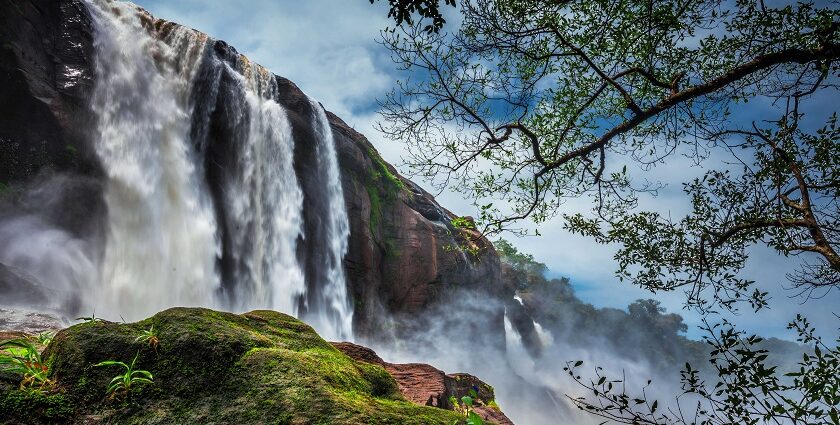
213,368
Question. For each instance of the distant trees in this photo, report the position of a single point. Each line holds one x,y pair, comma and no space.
758,380
644,332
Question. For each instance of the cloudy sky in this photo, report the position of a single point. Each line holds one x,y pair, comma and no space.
329,49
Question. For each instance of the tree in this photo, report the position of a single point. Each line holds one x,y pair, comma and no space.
402,11
531,103
748,390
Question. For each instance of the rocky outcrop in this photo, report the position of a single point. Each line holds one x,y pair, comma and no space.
404,257
210,367
428,386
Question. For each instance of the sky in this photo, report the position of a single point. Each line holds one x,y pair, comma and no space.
329,49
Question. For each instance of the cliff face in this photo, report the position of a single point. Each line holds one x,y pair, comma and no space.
404,255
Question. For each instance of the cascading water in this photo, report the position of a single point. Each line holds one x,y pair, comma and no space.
332,306
161,233
264,201
204,206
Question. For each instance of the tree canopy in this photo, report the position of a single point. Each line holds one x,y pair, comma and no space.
403,11
531,103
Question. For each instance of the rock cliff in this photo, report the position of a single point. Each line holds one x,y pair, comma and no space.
404,254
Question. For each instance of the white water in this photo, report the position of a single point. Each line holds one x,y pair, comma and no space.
546,339
265,203
39,252
161,246
338,312
163,240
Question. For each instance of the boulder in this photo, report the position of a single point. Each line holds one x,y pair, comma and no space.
216,368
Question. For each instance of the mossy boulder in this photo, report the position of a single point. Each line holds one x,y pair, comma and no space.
213,368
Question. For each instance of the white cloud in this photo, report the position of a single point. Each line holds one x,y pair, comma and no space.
326,47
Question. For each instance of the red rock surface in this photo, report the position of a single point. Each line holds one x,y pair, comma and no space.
428,386
405,255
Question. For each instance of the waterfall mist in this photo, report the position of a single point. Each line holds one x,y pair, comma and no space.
213,194
465,335
50,252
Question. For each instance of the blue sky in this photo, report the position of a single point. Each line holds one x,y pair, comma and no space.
329,49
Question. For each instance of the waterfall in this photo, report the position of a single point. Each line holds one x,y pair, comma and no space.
334,307
518,357
264,201
204,206
161,232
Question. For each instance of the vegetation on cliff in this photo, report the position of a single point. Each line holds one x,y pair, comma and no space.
643,331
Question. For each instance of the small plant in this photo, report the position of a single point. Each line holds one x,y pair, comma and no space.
123,384
89,319
44,338
21,356
465,408
149,336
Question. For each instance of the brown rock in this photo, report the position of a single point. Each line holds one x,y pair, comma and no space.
405,255
428,386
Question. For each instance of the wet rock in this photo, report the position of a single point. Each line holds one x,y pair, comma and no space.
212,367
405,255
428,386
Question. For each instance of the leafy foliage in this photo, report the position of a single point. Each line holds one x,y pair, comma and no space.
532,103
745,366
465,408
748,390
44,338
22,357
402,11
149,336
786,198
131,378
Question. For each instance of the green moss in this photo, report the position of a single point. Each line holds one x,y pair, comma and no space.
29,406
382,185
383,188
258,367
382,170
375,208
382,384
